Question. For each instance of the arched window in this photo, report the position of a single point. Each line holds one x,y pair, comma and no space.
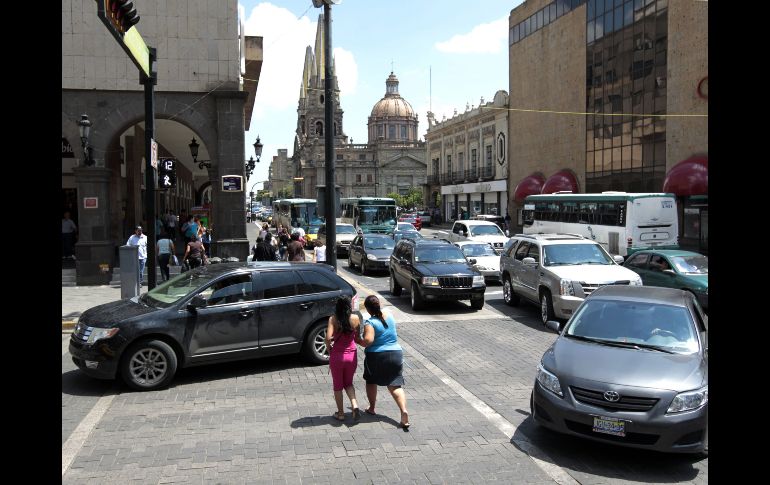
319,128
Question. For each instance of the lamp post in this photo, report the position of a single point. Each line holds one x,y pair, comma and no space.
251,163
330,193
84,125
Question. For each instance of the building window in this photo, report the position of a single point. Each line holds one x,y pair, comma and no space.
339,156
489,156
403,132
358,178
449,164
391,132
362,156
473,160
460,161
380,131
369,178
319,128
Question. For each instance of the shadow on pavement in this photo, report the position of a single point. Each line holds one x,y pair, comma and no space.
229,370
76,383
330,420
579,456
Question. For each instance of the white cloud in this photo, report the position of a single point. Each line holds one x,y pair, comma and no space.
347,71
484,38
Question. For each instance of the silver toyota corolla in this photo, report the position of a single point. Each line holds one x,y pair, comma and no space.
631,368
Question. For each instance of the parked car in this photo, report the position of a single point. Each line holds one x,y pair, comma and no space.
345,233
213,313
673,268
426,217
411,219
434,270
629,368
558,271
312,236
371,252
475,230
482,257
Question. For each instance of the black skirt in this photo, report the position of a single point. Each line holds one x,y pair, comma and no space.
384,368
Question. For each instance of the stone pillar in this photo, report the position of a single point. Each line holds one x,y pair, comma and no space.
94,250
227,208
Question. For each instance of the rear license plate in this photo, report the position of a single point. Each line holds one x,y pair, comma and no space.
611,426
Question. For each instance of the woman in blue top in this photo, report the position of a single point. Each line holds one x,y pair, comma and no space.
384,358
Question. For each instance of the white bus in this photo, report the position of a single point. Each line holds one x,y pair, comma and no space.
296,213
370,214
621,222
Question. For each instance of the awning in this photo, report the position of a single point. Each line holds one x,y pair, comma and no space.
688,177
529,185
561,181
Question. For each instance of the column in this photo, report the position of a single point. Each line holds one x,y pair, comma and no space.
94,250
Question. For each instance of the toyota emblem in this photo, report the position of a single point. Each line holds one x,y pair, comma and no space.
611,396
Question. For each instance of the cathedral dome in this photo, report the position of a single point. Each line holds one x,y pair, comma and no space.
392,104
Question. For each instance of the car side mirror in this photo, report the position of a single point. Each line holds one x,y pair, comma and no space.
530,261
669,272
552,325
196,302
472,261
618,259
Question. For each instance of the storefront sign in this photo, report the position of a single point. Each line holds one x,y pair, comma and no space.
232,183
483,188
458,189
90,202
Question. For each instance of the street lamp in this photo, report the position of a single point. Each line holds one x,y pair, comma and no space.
84,125
194,152
331,189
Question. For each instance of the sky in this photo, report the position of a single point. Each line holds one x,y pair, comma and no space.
446,54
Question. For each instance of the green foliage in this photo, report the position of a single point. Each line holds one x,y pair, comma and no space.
409,201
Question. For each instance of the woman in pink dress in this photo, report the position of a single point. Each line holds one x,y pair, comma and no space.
343,358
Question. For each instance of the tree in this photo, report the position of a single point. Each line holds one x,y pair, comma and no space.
398,198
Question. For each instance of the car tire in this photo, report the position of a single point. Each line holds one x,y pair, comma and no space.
417,302
395,288
509,296
532,408
363,266
546,306
148,365
477,303
315,350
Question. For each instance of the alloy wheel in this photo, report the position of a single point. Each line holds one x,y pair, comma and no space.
319,343
148,366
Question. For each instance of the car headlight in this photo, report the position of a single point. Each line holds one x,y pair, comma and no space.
636,282
549,381
478,280
565,287
687,401
371,257
430,281
101,333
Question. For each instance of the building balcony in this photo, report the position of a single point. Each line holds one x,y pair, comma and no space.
471,175
487,173
446,178
433,180
458,176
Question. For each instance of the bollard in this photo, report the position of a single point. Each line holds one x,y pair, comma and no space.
129,272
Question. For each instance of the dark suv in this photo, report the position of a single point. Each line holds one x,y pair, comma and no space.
215,313
433,270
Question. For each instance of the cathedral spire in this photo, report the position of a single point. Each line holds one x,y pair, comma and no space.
319,49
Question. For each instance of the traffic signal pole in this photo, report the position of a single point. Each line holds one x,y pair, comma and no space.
149,170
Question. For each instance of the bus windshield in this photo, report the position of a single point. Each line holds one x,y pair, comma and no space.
377,215
304,215
574,254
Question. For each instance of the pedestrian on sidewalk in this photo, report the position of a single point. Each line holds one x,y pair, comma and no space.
69,232
294,250
206,240
341,331
195,254
319,252
165,250
140,240
263,251
384,359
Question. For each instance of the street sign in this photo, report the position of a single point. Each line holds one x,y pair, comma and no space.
232,183
166,173
154,151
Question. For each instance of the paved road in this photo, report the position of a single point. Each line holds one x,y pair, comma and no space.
468,379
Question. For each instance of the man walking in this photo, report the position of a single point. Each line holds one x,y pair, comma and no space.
140,240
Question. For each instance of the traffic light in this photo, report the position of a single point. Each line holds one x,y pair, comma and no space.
167,173
122,14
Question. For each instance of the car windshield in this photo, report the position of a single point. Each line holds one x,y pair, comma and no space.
640,325
405,227
379,243
410,234
345,229
486,231
691,264
176,288
573,254
448,254
476,250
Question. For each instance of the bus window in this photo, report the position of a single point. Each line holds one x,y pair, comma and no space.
587,211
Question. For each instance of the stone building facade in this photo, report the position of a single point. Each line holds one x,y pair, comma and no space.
468,161
201,93
618,93
392,160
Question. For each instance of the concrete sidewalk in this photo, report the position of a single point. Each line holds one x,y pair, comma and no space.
77,299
